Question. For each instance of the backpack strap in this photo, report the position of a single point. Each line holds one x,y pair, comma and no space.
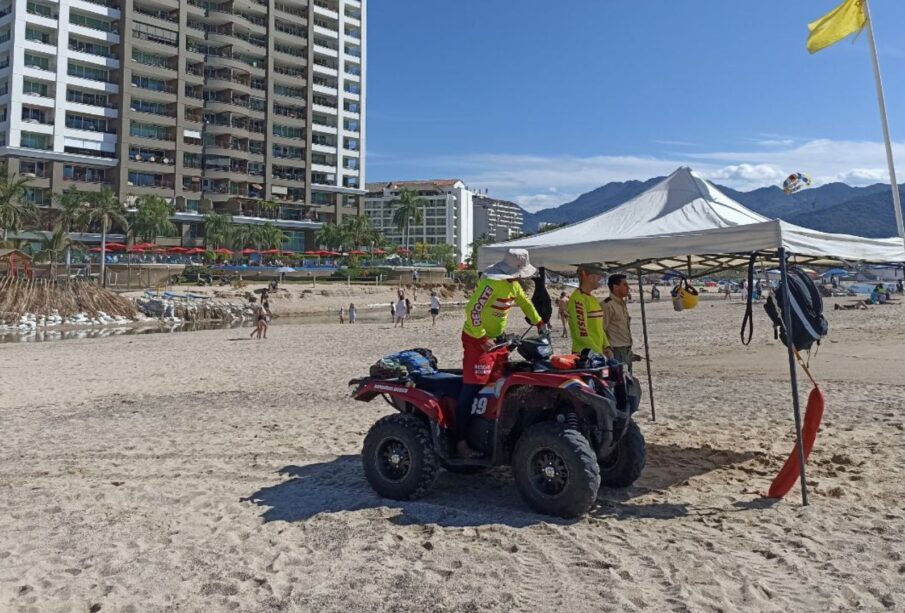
748,319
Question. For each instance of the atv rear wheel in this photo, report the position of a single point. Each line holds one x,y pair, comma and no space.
624,465
399,459
556,470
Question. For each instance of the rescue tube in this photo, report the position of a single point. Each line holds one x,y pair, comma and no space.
791,470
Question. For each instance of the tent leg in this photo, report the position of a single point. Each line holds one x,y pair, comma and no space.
650,380
793,374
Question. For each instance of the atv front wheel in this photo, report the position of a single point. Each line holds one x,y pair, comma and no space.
624,465
556,470
399,459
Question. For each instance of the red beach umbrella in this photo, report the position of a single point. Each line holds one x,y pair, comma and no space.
178,250
270,252
223,251
357,252
248,251
115,246
194,251
378,252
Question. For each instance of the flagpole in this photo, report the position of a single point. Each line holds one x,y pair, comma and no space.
889,161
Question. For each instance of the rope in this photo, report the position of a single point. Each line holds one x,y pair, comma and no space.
806,370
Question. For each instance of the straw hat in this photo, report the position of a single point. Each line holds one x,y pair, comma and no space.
515,265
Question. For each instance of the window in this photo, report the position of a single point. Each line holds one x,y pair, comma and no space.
284,151
80,97
88,72
30,115
351,107
351,125
37,61
144,179
258,83
34,88
39,9
28,167
34,141
84,173
37,36
154,108
156,35
150,83
151,59
37,196
351,144
78,19
91,124
192,205
287,132
191,160
147,130
90,48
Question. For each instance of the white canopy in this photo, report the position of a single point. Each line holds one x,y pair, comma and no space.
684,220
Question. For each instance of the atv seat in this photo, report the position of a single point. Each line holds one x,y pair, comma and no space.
439,384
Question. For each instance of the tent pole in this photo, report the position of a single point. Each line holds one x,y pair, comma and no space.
650,381
793,374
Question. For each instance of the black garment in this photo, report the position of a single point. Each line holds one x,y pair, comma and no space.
463,410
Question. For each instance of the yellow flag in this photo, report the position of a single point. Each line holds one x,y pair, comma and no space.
845,19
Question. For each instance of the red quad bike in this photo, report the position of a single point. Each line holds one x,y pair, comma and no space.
564,427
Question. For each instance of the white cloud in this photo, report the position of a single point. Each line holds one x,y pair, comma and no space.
537,182
776,142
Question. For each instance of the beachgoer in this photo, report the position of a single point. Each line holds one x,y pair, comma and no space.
655,293
859,305
617,321
562,308
399,313
414,276
408,307
260,322
900,287
435,307
342,315
727,293
486,315
393,312
586,314
353,313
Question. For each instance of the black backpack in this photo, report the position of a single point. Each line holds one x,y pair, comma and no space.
808,323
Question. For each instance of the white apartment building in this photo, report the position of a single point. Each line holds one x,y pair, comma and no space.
448,214
499,220
214,105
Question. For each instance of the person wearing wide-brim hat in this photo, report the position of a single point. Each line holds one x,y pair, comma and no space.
486,315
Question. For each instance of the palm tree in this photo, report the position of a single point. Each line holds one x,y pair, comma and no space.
72,205
331,236
409,210
271,237
422,250
266,208
443,253
217,230
244,235
104,208
15,213
152,218
359,230
54,245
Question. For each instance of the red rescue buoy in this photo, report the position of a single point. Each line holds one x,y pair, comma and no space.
792,468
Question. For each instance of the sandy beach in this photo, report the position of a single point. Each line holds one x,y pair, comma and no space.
208,472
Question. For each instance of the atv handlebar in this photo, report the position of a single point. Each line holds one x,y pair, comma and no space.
512,341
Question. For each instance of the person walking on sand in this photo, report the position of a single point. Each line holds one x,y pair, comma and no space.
399,312
260,322
353,313
562,308
342,315
435,307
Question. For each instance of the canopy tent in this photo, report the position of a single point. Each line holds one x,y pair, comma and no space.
685,224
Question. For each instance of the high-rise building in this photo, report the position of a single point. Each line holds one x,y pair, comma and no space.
216,106
499,220
447,214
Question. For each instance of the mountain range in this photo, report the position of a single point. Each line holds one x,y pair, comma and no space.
834,207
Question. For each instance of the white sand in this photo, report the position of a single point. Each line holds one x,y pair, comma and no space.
206,472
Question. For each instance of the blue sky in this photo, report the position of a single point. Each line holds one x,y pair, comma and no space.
539,101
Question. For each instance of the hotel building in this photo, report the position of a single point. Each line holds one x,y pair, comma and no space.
216,106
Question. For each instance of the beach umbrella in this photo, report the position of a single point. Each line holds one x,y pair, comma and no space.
290,254
270,252
403,250
115,246
178,250
194,251
378,251
223,251
248,251
135,249
358,252
838,272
